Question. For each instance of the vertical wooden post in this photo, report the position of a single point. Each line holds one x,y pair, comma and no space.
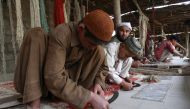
117,11
187,40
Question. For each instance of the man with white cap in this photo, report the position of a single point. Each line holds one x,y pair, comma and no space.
123,30
120,60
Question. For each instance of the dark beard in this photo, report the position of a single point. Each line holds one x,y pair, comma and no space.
120,38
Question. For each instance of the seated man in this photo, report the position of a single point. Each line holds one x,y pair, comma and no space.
167,48
122,32
119,57
67,64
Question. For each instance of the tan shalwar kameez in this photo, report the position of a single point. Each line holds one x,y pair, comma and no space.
70,69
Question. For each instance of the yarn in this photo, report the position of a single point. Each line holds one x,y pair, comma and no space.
43,18
65,12
59,12
19,27
143,22
13,38
2,43
77,13
82,11
67,5
35,13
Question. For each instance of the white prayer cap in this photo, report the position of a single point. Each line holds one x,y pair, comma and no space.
127,24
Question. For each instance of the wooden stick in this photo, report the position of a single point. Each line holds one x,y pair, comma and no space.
157,72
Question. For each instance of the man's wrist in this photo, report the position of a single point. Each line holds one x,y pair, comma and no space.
122,82
91,96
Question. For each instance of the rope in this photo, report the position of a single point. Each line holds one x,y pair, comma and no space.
143,22
35,13
12,30
19,29
59,13
2,42
43,18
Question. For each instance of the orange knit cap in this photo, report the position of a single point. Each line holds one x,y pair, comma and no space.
99,24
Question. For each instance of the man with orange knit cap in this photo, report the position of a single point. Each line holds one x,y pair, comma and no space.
68,64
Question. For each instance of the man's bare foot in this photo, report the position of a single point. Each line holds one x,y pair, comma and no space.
34,104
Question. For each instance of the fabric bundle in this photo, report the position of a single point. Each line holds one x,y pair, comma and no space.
43,18
59,12
67,6
77,13
35,13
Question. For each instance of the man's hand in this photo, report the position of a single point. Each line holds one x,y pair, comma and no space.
126,86
98,90
98,102
178,54
185,52
181,55
136,64
145,61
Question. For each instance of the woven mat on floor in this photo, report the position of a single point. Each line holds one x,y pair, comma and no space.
8,94
153,92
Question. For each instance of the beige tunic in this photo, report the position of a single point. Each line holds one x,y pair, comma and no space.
30,64
69,68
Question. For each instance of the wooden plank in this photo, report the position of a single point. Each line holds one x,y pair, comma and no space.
173,72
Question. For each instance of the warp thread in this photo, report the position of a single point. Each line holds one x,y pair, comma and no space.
19,27
35,13
43,18
2,42
13,38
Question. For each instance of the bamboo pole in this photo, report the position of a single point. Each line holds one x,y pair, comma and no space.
173,72
187,40
117,11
